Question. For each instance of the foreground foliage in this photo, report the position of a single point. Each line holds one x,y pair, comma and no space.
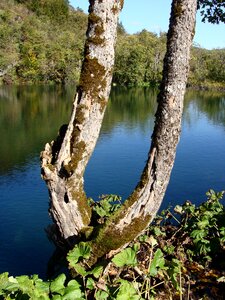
180,256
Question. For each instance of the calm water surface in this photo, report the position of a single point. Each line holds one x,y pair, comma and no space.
31,116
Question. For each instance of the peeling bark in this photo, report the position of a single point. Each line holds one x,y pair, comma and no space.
142,205
63,161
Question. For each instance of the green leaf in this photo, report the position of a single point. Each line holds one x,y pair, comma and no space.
90,284
178,209
125,257
100,211
152,241
169,249
42,286
4,281
57,285
221,279
82,250
203,246
127,291
222,231
70,293
158,232
80,270
157,263
11,284
101,295
56,297
76,285
4,278
143,238
198,234
173,271
202,224
26,285
96,272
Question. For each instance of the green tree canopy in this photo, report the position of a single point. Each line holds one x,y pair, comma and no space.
212,10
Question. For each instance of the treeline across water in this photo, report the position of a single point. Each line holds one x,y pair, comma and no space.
43,41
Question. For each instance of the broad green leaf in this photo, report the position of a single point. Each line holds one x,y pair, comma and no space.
82,250
8,282
157,263
125,257
178,209
42,286
143,238
198,234
24,283
202,224
38,295
11,286
57,297
169,249
101,211
136,247
158,232
57,285
4,278
173,271
203,246
221,279
80,270
152,241
101,295
96,272
70,293
74,284
127,291
90,284
106,205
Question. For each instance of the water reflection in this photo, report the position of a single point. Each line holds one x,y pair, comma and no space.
210,103
31,115
130,106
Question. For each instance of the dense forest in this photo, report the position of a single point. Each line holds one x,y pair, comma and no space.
42,42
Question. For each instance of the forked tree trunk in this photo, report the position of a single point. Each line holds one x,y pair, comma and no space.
64,160
142,205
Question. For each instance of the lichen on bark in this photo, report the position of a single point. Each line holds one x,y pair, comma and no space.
64,161
92,79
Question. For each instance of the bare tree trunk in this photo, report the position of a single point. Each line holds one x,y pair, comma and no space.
142,205
64,160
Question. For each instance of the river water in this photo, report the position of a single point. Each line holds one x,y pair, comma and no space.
31,115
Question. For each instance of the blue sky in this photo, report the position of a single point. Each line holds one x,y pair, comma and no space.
155,18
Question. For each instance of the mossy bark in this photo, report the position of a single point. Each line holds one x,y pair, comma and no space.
63,161
142,205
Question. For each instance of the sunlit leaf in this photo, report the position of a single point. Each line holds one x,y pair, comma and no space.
127,291
157,263
90,284
57,285
101,295
96,272
80,270
125,257
82,250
